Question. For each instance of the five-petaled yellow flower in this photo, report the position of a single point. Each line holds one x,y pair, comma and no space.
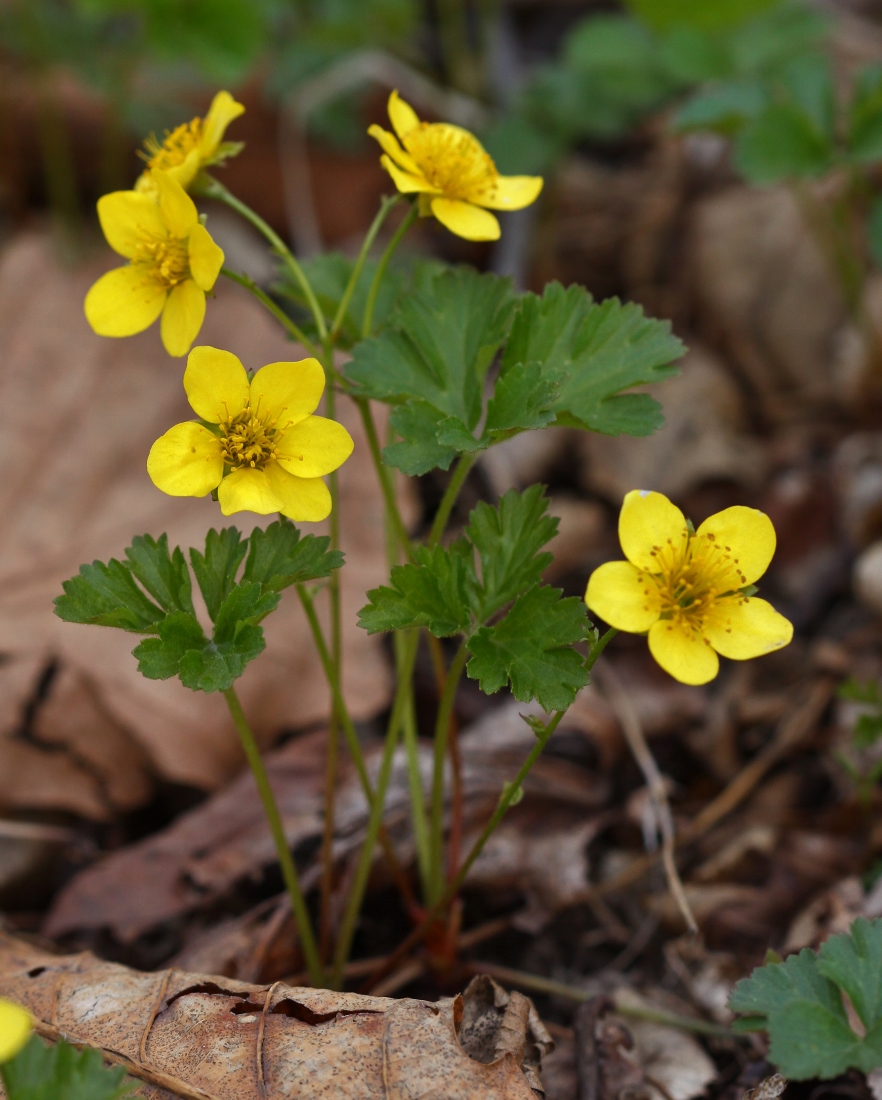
15,1029
259,444
192,146
452,173
690,591
173,262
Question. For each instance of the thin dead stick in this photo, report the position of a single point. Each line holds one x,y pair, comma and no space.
611,686
791,732
133,1069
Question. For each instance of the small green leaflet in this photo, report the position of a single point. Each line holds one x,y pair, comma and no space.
462,589
799,1002
61,1072
532,649
109,595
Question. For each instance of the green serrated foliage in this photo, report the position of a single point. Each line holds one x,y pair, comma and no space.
280,556
865,116
107,595
531,649
160,658
594,352
434,592
433,358
165,575
800,1003
418,450
721,14
523,397
508,539
216,569
61,1072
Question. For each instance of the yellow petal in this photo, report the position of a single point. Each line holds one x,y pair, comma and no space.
288,392
221,113
509,193
124,302
185,172
745,627
126,217
623,597
406,182
178,209
314,447
15,1029
647,521
187,461
389,144
304,499
745,537
465,220
182,317
683,653
247,490
216,384
402,116
206,258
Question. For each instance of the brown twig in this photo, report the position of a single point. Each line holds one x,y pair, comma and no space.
611,686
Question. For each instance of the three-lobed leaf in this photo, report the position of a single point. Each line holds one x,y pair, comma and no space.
800,1003
280,556
215,569
105,594
433,592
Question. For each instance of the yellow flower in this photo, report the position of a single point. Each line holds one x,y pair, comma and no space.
262,450
192,146
172,263
688,589
15,1029
451,171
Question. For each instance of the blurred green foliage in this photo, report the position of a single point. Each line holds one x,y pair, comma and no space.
61,1072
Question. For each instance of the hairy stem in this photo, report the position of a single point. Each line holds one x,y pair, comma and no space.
442,734
386,477
280,315
277,829
367,325
385,206
460,473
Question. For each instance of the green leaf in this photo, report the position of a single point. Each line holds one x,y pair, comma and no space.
434,593
721,14
865,116
165,576
800,1002
874,229
61,1072
723,109
781,143
216,569
106,595
508,539
160,658
433,359
523,397
532,649
597,351
280,556
248,602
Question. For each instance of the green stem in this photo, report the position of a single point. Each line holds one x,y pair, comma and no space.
385,206
211,188
415,783
598,648
375,820
385,475
367,324
442,731
456,483
274,819
537,984
292,329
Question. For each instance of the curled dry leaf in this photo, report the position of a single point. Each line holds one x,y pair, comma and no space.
190,1035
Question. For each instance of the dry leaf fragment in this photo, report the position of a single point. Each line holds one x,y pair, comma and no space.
188,1032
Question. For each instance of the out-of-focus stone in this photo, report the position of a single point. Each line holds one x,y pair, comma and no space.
581,529
526,458
765,286
857,471
867,577
703,438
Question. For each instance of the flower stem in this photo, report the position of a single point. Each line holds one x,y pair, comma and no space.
211,188
460,473
277,829
385,475
290,327
386,205
442,731
598,648
375,820
367,325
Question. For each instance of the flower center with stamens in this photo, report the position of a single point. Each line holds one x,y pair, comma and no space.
693,574
178,144
163,258
249,439
451,159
